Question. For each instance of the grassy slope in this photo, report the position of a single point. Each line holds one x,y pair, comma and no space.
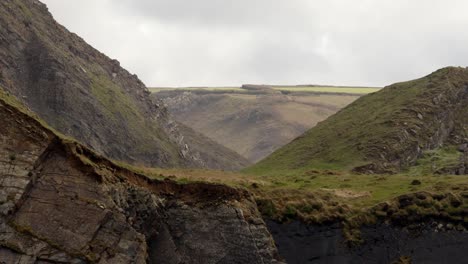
121,108
371,125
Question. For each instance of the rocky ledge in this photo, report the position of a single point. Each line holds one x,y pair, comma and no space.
61,203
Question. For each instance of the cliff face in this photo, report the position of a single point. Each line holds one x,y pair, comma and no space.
61,203
83,93
424,244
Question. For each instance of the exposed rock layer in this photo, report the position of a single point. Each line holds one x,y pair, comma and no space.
427,244
61,203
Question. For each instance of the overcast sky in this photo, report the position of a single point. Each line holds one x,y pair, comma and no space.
231,42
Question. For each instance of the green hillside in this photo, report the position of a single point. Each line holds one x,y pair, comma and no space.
387,131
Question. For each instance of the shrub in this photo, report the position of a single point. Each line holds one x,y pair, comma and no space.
416,182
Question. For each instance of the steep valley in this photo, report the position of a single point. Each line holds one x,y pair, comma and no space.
252,123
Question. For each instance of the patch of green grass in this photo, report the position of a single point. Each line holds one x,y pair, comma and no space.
120,108
433,161
321,196
114,101
356,200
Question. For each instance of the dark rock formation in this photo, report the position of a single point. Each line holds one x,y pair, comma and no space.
83,93
61,203
426,244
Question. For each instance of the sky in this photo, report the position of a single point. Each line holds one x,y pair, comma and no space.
171,43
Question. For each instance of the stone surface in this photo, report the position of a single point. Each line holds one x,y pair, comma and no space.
62,203
299,243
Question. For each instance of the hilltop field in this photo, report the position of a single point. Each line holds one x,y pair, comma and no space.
281,88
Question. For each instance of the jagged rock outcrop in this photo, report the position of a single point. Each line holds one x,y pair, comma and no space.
62,203
83,93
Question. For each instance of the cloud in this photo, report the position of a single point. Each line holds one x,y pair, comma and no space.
230,42
215,13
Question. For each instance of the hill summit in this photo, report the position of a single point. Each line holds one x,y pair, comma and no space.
416,125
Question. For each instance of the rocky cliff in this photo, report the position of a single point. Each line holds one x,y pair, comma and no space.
418,228
83,93
62,203
426,243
